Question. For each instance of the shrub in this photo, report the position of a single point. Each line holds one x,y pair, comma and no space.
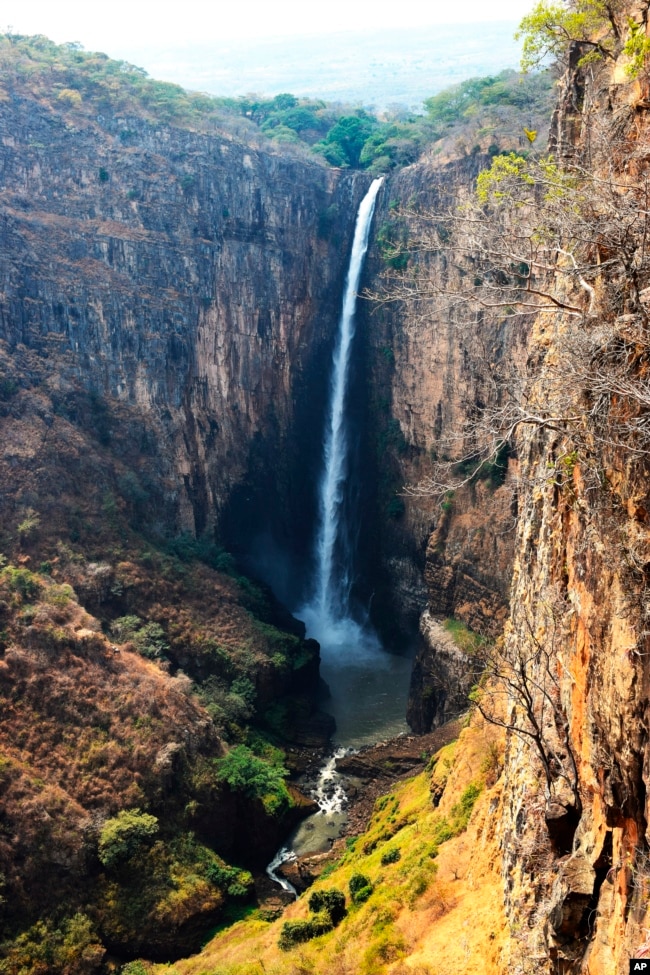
230,880
360,888
244,772
70,949
390,856
21,581
148,638
69,97
332,901
134,968
462,810
297,932
124,835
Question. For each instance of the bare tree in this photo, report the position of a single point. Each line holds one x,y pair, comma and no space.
520,691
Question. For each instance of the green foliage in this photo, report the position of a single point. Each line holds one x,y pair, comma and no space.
72,948
123,836
232,881
165,884
332,901
298,932
392,243
476,97
21,581
286,650
93,84
462,810
345,140
134,968
495,185
468,641
636,48
391,856
29,524
244,772
328,910
187,548
447,504
549,28
360,888
148,638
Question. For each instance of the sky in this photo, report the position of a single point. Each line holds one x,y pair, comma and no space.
120,27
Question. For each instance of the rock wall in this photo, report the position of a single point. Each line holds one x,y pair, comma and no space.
574,842
187,281
429,373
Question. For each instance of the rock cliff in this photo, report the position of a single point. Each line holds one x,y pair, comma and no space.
189,284
430,373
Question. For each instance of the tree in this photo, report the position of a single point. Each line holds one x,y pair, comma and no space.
549,28
123,836
346,139
244,772
520,690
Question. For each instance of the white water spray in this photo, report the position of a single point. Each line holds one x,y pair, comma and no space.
327,614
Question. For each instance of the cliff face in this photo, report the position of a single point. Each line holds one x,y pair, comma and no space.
430,372
575,862
188,283
168,303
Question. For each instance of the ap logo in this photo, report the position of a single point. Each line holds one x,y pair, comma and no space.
640,965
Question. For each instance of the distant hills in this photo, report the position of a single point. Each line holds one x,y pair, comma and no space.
374,68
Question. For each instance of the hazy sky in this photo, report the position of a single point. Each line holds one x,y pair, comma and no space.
126,25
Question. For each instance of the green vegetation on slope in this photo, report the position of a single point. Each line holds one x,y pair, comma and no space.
92,85
357,910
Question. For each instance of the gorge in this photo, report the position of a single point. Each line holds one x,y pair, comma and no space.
169,309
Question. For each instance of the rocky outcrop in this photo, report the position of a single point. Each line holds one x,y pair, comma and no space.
575,862
443,675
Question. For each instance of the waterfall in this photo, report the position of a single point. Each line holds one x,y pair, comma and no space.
327,614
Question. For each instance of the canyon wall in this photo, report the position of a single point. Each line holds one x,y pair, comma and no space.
575,862
429,374
189,285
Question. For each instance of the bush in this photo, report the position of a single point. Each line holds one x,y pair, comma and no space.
134,968
148,638
70,949
244,772
297,932
21,581
360,888
332,901
462,810
124,835
390,856
230,880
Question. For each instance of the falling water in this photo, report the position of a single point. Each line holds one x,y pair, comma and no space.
327,614
368,687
